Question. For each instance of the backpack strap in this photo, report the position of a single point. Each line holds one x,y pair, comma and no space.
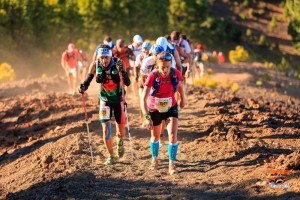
156,81
174,79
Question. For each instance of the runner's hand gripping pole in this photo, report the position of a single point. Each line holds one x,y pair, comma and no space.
121,70
87,126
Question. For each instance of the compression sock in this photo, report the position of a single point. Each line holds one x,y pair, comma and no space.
154,148
172,151
108,131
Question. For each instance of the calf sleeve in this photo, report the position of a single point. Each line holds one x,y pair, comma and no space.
172,151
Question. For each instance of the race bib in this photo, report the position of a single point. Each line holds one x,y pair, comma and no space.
163,104
104,112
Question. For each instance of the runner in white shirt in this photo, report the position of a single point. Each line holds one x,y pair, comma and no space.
136,70
136,48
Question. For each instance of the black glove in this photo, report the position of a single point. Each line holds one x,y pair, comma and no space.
101,78
82,88
120,65
85,85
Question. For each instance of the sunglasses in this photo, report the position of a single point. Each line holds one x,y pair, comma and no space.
167,57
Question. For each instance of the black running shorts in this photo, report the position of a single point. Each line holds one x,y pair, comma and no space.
157,117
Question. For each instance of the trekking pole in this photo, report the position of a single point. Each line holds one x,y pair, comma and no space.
128,129
126,114
87,126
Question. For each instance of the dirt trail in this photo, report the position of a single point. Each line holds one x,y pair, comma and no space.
227,144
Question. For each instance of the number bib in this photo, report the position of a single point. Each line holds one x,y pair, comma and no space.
104,112
163,104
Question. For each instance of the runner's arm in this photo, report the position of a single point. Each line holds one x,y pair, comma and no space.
63,61
92,67
85,85
181,92
143,79
144,98
178,61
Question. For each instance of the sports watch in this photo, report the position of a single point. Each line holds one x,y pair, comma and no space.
147,117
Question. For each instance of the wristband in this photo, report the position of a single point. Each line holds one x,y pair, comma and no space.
147,117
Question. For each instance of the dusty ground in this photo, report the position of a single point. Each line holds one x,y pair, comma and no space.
228,142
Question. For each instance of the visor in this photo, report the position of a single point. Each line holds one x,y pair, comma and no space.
104,52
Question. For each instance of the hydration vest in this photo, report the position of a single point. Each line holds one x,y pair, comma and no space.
69,57
156,81
198,56
103,77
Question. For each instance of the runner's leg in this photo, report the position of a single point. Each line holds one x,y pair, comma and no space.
106,127
120,116
173,143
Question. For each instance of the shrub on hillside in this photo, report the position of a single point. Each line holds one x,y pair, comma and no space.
238,55
262,40
7,73
273,24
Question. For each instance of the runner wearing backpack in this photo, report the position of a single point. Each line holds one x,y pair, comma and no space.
124,53
162,41
146,46
198,60
69,62
159,92
183,48
107,73
136,48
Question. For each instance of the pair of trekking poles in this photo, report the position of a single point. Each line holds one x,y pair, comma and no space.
127,122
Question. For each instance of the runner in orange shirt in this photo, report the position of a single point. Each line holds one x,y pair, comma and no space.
69,62
124,53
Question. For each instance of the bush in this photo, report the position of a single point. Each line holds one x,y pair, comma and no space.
7,73
273,24
267,77
250,12
242,15
284,64
268,65
234,87
262,40
248,33
206,81
238,55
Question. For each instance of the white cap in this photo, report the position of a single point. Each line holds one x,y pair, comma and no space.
162,41
137,39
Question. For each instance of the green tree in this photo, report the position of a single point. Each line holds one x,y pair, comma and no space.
292,14
188,16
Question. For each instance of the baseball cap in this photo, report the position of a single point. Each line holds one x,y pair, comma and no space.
162,41
157,49
146,45
137,39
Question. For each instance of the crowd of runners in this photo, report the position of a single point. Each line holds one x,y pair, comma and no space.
155,73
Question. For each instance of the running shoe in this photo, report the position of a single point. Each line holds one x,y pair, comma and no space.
120,148
172,168
110,160
154,164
